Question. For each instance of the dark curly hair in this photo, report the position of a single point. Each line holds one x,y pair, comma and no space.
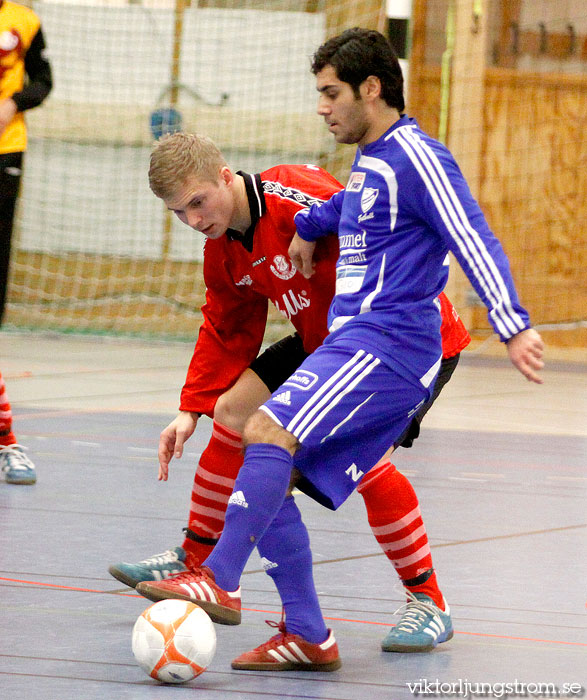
358,53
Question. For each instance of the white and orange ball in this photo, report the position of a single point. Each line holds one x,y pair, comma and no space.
174,641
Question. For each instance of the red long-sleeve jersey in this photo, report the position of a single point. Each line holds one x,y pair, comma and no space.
243,273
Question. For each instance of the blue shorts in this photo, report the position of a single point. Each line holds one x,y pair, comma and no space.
346,408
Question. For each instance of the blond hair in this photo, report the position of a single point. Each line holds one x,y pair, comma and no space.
178,157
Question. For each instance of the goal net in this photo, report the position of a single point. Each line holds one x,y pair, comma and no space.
94,251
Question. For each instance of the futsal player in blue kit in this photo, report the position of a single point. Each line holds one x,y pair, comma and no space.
406,205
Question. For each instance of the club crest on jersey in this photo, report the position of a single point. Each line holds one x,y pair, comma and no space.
282,267
355,182
302,379
368,198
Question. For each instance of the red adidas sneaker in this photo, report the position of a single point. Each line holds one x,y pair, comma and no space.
197,586
290,652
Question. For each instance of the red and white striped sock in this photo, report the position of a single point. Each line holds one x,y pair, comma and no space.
394,515
7,437
213,483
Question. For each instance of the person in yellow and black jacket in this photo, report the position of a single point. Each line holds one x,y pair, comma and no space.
25,81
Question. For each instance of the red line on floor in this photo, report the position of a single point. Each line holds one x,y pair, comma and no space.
273,612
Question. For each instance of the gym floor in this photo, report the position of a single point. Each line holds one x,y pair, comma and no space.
500,470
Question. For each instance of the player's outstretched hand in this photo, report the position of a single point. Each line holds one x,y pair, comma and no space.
173,439
525,350
301,253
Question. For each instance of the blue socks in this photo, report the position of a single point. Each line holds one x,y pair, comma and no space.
258,494
259,515
286,557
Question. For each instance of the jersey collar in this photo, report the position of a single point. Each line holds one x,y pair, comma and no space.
403,120
257,207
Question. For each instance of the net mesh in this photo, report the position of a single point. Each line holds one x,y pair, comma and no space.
95,251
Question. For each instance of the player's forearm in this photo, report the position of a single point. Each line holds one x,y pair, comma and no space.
196,402
488,270
206,382
38,70
456,215
217,362
319,220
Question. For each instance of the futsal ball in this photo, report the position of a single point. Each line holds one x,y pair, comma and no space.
174,641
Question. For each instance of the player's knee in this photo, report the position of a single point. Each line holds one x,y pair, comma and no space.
261,429
228,412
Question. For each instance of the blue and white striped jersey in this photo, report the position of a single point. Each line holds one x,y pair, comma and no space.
406,204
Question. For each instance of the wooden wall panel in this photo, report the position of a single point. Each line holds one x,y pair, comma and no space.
534,186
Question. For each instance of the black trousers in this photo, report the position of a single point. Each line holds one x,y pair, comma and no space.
10,175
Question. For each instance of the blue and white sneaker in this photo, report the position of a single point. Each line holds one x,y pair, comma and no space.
422,626
16,466
156,568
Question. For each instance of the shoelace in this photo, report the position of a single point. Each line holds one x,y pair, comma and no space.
279,626
416,612
16,457
10,448
167,557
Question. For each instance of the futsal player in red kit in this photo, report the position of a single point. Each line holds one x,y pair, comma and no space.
248,222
